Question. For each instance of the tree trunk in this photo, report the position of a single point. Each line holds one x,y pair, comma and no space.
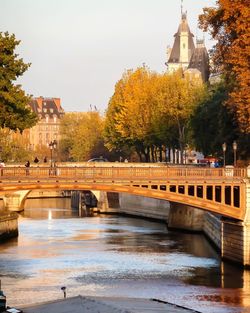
152,150
160,153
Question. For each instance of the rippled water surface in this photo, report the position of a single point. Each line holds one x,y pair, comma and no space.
115,256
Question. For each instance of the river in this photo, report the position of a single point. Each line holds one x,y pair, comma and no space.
109,255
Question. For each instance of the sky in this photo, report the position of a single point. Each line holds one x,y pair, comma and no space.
79,49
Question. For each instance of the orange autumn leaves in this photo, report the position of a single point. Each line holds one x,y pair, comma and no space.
149,110
229,25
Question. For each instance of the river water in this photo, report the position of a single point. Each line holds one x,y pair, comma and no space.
117,256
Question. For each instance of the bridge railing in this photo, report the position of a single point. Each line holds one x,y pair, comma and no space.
129,172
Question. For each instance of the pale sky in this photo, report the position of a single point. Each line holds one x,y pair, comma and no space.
79,49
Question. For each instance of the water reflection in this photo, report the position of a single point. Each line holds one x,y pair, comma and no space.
49,208
115,256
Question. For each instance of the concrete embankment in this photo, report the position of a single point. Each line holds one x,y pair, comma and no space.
8,225
82,304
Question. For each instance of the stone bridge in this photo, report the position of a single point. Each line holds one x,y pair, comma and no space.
218,190
224,191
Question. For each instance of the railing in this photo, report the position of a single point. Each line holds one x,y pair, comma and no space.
128,172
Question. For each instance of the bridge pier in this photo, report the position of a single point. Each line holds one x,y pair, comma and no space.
235,235
185,217
15,201
235,242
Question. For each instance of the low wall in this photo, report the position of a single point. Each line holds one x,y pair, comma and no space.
8,225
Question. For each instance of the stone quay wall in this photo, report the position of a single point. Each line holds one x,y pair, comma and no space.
212,229
176,216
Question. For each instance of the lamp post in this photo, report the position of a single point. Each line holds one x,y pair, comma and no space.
224,148
235,150
52,146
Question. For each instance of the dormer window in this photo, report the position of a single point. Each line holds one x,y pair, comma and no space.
44,110
51,110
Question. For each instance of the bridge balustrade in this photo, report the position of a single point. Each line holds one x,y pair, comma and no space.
128,172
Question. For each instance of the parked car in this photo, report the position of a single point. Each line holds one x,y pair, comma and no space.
101,159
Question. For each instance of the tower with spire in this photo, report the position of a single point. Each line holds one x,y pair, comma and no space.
184,55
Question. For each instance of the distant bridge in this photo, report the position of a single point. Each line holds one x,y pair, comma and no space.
220,190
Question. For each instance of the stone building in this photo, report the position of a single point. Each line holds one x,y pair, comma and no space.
49,112
193,60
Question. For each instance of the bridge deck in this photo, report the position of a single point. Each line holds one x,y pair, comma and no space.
219,190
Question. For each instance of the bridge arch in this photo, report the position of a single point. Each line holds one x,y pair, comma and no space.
188,194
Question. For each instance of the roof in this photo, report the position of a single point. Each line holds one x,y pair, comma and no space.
200,60
175,52
106,305
46,107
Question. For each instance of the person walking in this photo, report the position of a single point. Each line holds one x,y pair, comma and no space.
2,165
27,165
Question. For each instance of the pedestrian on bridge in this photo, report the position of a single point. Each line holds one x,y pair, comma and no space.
27,165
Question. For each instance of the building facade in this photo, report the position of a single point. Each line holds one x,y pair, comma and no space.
49,112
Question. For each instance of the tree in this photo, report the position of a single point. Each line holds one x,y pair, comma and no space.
229,25
14,112
213,124
82,137
128,119
177,98
149,111
13,146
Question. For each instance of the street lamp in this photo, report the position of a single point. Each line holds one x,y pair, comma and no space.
235,149
52,146
224,148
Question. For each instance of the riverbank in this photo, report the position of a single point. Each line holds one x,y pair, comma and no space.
106,305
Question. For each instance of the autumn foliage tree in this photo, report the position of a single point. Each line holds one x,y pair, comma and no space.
81,136
150,111
229,25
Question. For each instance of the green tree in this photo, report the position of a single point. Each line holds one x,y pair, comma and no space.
14,112
213,124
